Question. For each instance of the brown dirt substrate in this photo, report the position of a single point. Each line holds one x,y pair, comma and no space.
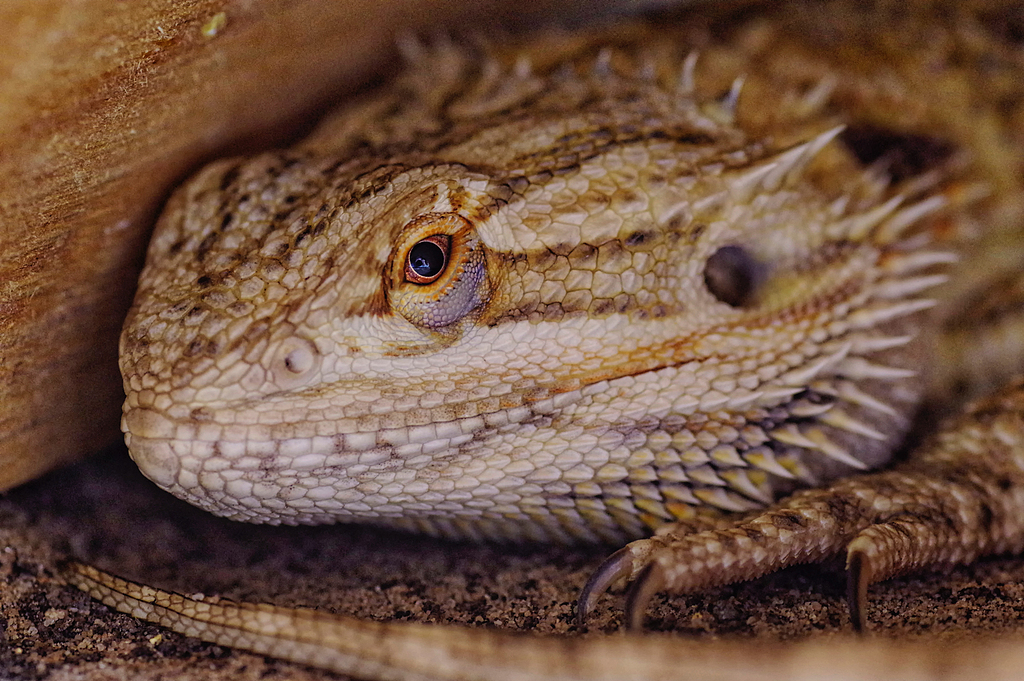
104,512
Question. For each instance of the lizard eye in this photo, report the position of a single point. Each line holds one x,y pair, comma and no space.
439,272
427,259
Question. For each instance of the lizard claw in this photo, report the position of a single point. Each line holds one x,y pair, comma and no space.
858,577
632,563
617,566
649,582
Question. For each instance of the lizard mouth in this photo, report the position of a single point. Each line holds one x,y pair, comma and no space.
149,437
378,475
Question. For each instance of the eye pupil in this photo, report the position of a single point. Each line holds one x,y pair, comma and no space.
427,260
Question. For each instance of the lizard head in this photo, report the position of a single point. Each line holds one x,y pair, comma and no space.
577,315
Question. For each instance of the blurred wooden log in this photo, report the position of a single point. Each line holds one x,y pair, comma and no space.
105,105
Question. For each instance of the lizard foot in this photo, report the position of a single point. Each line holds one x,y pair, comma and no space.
959,497
631,561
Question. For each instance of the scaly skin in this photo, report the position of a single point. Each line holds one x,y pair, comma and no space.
664,298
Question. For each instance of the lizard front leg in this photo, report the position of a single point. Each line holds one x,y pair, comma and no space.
960,496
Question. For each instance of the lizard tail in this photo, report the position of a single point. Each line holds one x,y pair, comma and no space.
406,651
411,651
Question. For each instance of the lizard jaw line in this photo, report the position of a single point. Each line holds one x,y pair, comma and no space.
148,434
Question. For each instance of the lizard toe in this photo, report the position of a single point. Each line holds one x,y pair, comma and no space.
623,565
900,545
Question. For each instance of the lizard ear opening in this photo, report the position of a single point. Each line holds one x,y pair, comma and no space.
439,271
734,276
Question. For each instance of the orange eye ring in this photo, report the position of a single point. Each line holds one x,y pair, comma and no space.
428,259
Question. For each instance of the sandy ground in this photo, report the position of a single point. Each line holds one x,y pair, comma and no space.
104,512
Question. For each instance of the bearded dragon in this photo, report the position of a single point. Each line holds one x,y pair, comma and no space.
696,276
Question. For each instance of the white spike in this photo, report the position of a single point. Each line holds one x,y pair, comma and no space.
817,97
902,288
837,418
838,226
849,392
868,317
663,214
732,98
801,376
878,174
858,368
764,459
743,400
867,344
723,110
789,434
923,183
816,440
712,401
740,481
790,162
970,193
832,450
839,206
825,386
807,409
858,227
687,82
911,262
748,184
898,223
776,395
708,203
725,500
